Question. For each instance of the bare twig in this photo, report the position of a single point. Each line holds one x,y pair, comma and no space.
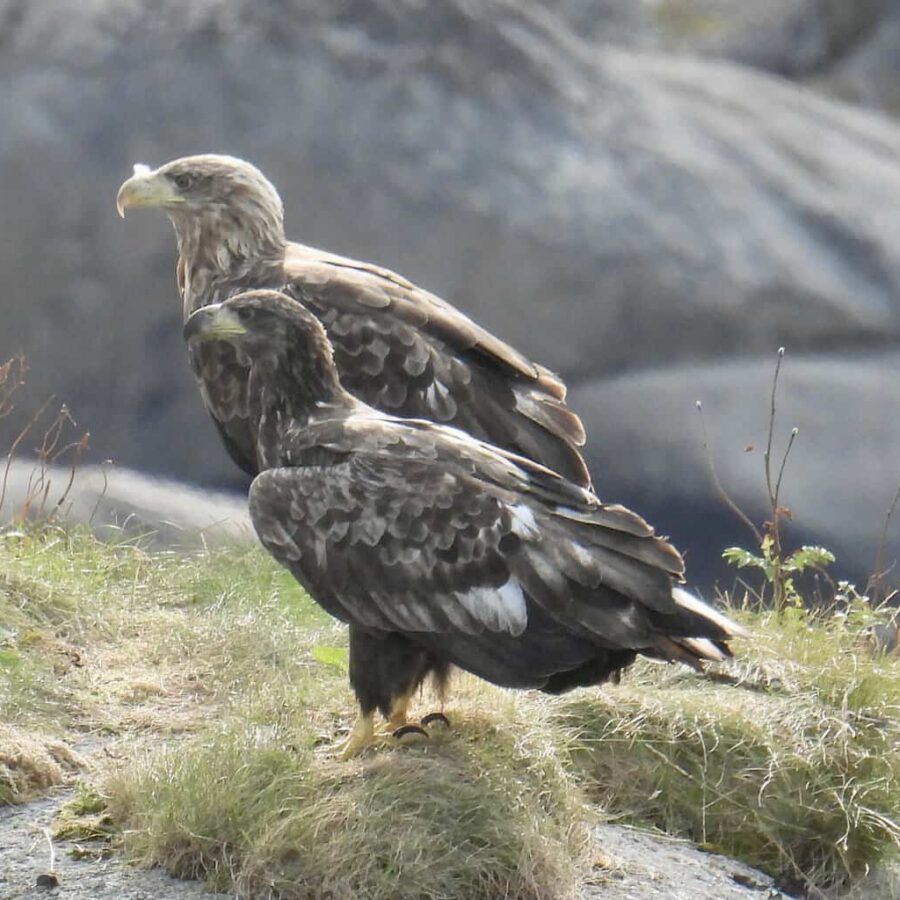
79,448
49,452
102,493
876,581
52,867
12,377
794,432
767,456
774,530
720,490
15,445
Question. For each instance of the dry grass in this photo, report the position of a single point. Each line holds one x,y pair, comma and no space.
31,764
795,771
485,812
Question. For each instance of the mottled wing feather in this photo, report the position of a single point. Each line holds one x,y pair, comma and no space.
223,378
407,352
388,549
408,534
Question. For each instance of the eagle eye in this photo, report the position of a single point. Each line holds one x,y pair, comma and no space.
244,313
183,181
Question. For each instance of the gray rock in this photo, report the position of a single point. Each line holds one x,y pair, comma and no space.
118,502
870,75
839,481
26,859
650,866
794,38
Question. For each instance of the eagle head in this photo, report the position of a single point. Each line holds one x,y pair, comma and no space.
259,319
206,186
275,334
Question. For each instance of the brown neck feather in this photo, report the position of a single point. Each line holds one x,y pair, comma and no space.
224,251
292,392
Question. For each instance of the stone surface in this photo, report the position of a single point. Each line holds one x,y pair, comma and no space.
794,38
119,502
870,74
25,858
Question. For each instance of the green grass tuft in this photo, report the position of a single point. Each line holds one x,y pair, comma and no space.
795,771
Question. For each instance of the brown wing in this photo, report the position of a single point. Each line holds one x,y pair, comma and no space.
407,352
404,534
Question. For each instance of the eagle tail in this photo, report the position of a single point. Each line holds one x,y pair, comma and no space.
551,414
550,383
699,618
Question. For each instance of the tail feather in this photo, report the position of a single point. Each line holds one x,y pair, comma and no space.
551,414
696,607
705,633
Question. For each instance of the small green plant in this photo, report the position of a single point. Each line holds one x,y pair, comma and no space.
778,567
780,571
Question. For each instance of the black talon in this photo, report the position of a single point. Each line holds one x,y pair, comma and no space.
405,730
431,718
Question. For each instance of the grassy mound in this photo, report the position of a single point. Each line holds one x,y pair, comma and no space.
485,813
223,662
796,770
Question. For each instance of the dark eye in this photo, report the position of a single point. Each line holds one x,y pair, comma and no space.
183,181
244,313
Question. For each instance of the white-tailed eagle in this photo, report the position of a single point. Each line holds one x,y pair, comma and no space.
397,347
438,549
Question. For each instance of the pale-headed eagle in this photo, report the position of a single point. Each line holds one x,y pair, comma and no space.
438,549
397,347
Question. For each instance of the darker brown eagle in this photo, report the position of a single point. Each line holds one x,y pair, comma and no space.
396,346
438,549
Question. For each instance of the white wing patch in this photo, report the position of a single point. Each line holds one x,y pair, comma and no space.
523,523
500,609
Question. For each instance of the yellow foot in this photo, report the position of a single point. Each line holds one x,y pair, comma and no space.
361,736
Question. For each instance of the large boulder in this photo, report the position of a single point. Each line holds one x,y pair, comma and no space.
121,504
840,477
870,74
607,210
799,39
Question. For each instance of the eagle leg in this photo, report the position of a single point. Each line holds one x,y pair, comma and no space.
400,709
361,736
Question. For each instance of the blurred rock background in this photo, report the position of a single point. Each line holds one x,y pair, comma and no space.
650,196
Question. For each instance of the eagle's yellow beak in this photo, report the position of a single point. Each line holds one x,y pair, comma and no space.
145,188
213,323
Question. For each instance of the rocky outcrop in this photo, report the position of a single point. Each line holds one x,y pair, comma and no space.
798,39
839,481
609,210
121,504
